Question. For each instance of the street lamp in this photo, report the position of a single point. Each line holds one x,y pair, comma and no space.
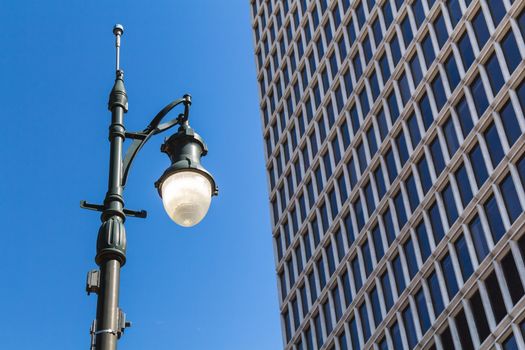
186,188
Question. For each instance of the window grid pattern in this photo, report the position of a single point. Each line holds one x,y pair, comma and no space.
335,249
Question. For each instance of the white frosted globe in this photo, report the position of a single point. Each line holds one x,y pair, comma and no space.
186,196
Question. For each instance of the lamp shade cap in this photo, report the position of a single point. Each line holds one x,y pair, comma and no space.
118,29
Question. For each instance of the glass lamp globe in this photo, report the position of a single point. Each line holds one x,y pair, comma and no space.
186,196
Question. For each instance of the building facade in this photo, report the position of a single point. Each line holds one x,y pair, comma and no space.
396,168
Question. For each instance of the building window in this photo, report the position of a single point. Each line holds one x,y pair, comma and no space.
380,182
337,303
376,29
327,317
428,50
424,174
415,68
510,197
353,334
387,14
358,210
464,258
410,256
287,327
392,106
463,331
467,55
367,258
494,72
449,203
365,106
451,139
410,329
341,182
346,288
439,92
376,309
437,156
398,274
365,325
436,223
493,144
369,197
318,330
510,51
395,333
374,86
454,11
309,338
419,14
361,156
482,326
367,48
465,120
387,291
480,29
441,30
295,310
358,282
389,226
320,271
446,339
349,229
407,31
413,128
378,243
400,210
395,51
510,123
385,68
426,111
282,282
435,293
422,238
495,297
371,138
463,185
478,238
339,244
331,260
422,310
413,198
391,165
452,72
478,165
313,287
402,147
450,277
512,277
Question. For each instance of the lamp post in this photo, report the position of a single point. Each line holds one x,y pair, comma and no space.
185,187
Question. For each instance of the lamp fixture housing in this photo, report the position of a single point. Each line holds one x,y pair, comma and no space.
186,187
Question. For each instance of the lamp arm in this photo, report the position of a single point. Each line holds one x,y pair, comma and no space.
154,128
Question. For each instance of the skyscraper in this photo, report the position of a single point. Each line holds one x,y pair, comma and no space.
395,157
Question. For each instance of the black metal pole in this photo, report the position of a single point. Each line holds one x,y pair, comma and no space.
111,241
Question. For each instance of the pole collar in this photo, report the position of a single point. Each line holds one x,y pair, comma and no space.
111,241
118,95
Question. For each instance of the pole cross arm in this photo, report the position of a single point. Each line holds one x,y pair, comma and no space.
91,206
128,212
155,127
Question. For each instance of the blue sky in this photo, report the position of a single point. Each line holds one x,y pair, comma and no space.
208,287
